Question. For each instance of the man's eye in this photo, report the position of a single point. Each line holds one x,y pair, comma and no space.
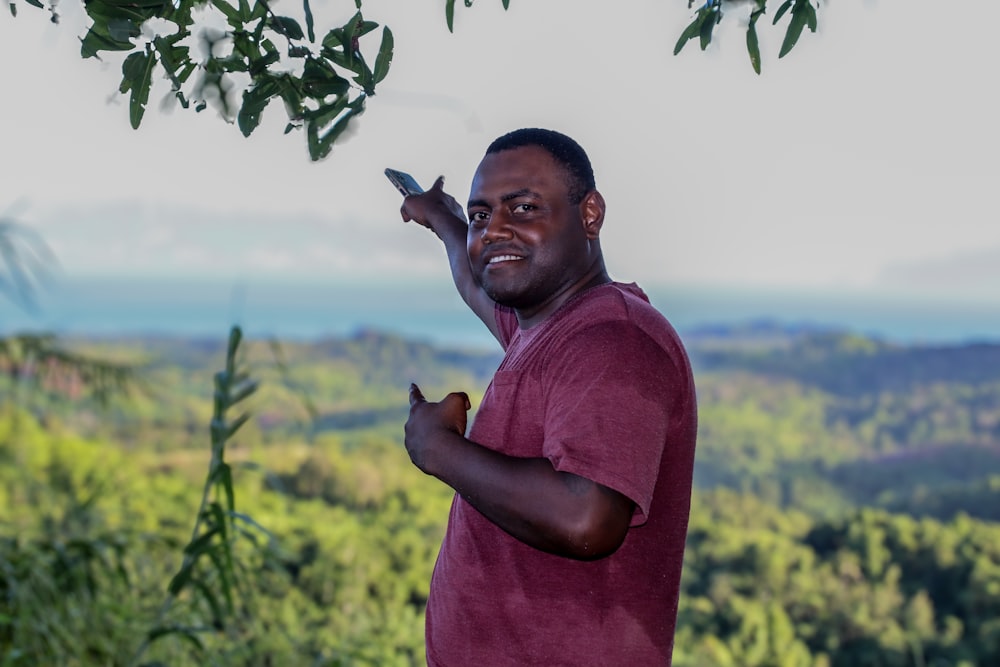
478,217
523,208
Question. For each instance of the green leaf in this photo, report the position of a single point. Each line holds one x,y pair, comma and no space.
123,29
309,21
132,69
384,58
707,25
287,26
320,79
225,572
690,32
13,10
334,39
232,14
180,580
217,519
98,38
753,47
810,16
176,61
223,475
213,603
137,75
255,100
794,31
258,65
235,337
290,94
506,4
259,12
234,426
250,521
781,11
349,56
321,144
203,542
449,15
364,27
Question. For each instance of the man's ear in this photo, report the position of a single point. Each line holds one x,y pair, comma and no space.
592,213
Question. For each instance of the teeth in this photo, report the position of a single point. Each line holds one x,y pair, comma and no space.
503,258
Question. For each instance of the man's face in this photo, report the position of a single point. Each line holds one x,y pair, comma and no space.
527,243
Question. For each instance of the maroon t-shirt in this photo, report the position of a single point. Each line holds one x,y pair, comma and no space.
603,389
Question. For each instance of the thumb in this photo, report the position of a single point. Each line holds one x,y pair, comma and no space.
438,184
416,396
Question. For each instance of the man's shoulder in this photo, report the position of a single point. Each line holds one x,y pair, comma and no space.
621,307
624,302
625,293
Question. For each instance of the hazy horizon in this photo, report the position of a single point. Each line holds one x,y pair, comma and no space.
431,310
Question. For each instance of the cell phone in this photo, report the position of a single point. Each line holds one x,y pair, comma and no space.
405,183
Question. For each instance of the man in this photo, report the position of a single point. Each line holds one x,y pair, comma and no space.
566,534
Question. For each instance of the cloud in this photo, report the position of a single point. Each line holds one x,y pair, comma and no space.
132,238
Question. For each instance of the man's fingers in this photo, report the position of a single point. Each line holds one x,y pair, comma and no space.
438,184
416,396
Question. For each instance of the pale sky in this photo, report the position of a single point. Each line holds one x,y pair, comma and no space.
865,160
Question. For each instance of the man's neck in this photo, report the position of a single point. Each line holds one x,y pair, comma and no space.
527,319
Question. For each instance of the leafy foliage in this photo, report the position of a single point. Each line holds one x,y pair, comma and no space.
262,56
775,575
802,14
259,57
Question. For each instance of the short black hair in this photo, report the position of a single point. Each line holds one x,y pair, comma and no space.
564,150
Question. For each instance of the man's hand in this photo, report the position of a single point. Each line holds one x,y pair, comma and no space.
433,208
430,423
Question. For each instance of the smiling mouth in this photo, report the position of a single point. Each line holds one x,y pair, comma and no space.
503,258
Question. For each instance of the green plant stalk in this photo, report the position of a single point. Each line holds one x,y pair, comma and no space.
230,389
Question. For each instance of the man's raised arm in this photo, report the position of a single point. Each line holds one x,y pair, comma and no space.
439,212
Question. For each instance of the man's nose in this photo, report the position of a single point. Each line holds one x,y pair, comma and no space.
497,228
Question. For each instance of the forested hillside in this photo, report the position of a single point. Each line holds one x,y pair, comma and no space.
846,515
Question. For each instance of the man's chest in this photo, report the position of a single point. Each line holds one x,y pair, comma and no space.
511,417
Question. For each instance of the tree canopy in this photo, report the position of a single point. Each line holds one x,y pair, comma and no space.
323,76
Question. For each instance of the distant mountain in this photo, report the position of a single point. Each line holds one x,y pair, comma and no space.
837,361
755,329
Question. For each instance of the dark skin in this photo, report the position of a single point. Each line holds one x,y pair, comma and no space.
527,246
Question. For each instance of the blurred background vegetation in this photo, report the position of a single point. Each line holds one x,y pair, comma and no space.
846,510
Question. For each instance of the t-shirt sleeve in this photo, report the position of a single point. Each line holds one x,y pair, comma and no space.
610,391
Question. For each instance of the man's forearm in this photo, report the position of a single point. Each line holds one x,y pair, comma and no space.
453,232
557,512
438,211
